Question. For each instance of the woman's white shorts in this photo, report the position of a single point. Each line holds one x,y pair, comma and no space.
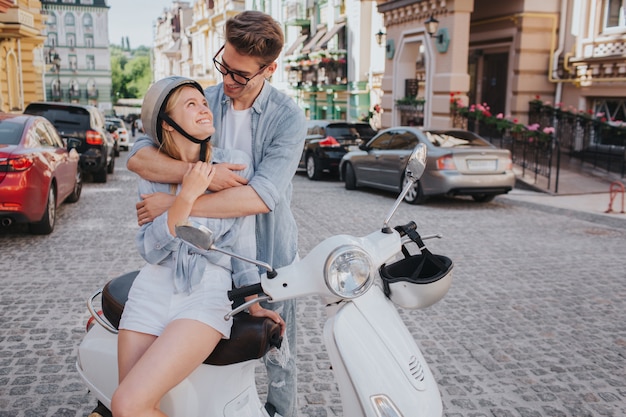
152,303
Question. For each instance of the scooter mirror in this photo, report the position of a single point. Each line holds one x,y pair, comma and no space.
195,234
414,169
201,237
417,163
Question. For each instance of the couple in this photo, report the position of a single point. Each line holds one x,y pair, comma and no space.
256,136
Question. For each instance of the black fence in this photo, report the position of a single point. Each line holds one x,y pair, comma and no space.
538,153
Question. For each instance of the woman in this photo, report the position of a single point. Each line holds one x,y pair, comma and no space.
173,318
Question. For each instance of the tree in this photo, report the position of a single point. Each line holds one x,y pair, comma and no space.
131,73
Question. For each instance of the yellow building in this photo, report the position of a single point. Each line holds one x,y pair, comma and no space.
21,54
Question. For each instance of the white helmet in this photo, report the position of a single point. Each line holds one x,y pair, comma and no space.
153,107
417,281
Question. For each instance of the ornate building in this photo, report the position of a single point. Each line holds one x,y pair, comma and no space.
505,54
77,52
21,54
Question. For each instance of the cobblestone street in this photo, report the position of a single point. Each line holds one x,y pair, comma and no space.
533,325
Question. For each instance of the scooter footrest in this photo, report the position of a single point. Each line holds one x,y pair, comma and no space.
251,337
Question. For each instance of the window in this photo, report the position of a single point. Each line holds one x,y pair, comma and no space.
52,40
91,62
71,40
89,41
381,141
52,19
73,62
87,21
69,19
13,81
403,140
615,15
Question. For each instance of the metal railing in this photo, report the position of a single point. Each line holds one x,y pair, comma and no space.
578,136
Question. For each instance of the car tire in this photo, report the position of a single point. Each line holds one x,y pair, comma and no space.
78,188
111,165
313,170
483,198
46,225
415,195
350,177
100,176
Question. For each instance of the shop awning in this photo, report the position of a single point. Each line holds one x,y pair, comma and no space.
328,36
314,40
295,45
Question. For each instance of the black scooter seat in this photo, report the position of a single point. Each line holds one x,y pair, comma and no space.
251,337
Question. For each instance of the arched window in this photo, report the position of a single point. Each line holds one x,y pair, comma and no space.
52,19
69,19
87,21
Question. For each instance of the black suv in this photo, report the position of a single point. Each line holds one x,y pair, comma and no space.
327,141
86,123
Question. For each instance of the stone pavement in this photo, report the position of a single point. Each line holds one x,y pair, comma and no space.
595,193
534,324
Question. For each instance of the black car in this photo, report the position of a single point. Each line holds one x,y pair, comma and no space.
327,141
86,123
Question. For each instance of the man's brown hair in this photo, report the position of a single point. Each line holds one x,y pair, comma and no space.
255,34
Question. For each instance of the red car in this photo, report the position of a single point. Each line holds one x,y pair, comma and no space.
37,172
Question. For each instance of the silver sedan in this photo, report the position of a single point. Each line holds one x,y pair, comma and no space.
459,163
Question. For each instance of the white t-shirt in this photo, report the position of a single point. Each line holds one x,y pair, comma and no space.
237,131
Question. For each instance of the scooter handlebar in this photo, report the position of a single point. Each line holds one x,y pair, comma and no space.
246,291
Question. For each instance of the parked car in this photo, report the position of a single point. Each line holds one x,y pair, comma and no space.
112,129
327,141
459,163
85,123
37,172
122,132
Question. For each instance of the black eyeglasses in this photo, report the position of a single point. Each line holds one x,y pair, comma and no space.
237,77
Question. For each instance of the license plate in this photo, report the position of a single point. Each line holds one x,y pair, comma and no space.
482,164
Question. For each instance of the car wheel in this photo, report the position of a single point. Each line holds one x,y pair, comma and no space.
46,225
111,165
78,188
100,176
415,195
483,198
350,177
116,149
313,170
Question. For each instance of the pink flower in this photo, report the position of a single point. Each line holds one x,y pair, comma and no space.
499,116
534,127
548,130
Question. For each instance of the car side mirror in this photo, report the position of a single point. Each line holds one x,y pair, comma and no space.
72,143
364,147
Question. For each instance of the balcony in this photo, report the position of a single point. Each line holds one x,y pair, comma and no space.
319,70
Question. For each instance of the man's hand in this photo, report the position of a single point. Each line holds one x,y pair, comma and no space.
226,177
153,205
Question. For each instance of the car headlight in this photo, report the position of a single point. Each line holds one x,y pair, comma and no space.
348,272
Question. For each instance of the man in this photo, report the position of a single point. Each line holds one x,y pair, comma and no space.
250,115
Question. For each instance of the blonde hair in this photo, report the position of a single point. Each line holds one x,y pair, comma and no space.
168,146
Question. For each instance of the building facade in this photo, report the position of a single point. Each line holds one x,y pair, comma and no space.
504,54
21,54
76,52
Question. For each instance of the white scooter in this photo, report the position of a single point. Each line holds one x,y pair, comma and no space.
378,367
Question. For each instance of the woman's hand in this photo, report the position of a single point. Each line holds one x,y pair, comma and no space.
257,311
196,180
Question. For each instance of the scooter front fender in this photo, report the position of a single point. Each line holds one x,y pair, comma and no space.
375,359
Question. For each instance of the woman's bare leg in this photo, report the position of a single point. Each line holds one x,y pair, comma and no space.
178,351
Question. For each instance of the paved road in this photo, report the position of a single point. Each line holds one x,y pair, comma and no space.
534,324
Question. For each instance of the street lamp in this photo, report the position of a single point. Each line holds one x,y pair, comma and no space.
379,37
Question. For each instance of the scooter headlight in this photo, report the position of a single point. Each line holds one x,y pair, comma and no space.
349,272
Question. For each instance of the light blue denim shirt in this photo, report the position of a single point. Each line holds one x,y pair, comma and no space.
278,131
157,245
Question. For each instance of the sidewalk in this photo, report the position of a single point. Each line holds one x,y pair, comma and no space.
583,192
